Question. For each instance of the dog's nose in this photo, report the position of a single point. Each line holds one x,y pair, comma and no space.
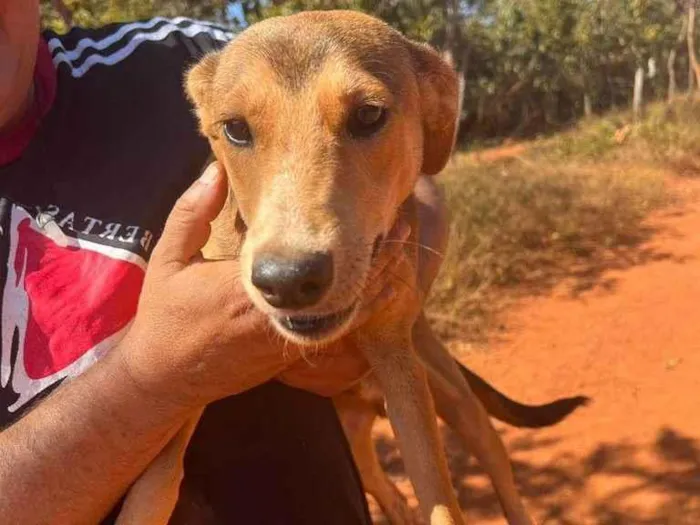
293,283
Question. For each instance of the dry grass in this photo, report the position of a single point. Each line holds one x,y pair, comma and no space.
568,208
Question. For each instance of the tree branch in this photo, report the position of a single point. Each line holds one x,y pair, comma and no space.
63,11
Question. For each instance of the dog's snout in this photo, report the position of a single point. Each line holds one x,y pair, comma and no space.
293,283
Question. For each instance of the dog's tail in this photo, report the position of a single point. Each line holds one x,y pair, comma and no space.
517,414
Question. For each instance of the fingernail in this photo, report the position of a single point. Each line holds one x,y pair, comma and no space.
210,175
387,293
204,183
404,230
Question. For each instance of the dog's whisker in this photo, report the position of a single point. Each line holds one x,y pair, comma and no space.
416,244
412,287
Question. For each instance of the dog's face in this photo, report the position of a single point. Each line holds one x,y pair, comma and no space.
323,121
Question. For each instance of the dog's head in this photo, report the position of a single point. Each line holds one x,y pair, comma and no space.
323,122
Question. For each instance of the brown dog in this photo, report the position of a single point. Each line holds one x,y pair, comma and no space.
324,122
360,406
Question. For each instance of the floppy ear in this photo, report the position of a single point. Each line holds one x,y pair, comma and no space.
199,78
439,94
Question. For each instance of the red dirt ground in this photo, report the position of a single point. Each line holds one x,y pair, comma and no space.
632,343
501,152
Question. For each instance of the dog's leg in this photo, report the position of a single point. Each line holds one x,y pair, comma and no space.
457,405
412,415
152,499
357,417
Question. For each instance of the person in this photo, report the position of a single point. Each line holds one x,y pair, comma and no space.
103,356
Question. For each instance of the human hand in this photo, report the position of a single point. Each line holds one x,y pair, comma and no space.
196,336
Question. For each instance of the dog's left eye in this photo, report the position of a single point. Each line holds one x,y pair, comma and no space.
367,120
237,132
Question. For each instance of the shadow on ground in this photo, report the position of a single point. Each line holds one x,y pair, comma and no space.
585,266
666,494
591,261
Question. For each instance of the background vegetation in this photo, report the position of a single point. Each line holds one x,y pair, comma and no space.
570,204
530,66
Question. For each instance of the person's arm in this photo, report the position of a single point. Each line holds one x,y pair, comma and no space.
72,457
195,339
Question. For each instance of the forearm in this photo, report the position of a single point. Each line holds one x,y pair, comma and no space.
71,458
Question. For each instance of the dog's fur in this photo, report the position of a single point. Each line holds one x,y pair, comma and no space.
306,186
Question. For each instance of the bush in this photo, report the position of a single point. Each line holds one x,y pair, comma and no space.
569,208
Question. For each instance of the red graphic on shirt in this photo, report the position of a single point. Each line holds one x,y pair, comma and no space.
77,298
65,303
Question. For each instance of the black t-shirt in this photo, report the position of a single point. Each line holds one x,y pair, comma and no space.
80,212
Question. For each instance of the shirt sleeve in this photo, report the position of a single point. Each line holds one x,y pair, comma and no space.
200,37
81,49
121,98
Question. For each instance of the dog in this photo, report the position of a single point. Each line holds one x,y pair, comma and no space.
323,122
361,405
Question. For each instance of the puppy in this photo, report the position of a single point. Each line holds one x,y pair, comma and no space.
361,405
323,122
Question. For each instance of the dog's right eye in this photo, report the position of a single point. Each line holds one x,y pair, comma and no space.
238,133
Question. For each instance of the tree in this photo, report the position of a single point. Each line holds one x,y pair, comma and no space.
63,11
673,52
527,66
693,61
60,15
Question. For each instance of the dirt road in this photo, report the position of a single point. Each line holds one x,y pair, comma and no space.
631,341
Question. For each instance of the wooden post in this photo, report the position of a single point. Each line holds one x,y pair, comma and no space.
671,68
637,101
694,68
587,105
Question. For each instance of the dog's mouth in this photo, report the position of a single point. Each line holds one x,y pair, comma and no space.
320,327
315,327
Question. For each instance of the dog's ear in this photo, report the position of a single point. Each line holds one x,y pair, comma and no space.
439,94
199,78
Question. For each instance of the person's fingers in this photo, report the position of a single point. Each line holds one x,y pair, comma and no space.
390,255
187,228
327,374
378,298
381,285
392,247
